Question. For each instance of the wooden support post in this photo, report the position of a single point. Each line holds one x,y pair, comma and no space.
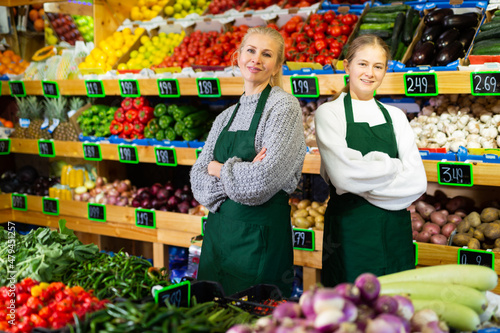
311,277
160,255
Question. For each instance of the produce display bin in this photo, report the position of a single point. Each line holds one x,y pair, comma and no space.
254,298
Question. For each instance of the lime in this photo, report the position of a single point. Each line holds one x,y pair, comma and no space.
142,49
200,3
177,8
169,10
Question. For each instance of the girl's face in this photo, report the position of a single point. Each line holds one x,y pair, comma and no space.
366,71
257,62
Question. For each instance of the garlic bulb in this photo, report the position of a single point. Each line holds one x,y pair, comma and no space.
473,144
485,117
459,135
473,126
445,116
495,120
440,138
489,144
498,140
451,128
456,144
489,132
473,138
417,131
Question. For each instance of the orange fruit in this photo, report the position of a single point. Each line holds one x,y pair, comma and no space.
5,60
33,15
39,24
3,68
41,13
9,53
15,58
8,123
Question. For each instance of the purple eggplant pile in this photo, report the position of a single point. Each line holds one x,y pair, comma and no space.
446,37
165,198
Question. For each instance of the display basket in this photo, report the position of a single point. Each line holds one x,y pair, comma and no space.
207,291
260,299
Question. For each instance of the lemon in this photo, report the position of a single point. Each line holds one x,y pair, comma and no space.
127,32
156,8
144,39
169,10
52,40
150,3
145,63
118,53
122,66
111,60
141,49
90,62
134,54
200,3
136,16
186,4
184,13
147,55
157,60
162,35
140,57
177,7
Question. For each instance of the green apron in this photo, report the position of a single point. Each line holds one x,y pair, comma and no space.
247,245
360,237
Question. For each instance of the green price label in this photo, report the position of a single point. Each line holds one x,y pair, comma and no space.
50,206
96,212
46,148
198,152
168,88
415,252
19,202
455,174
304,86
303,239
4,146
203,225
145,218
485,83
128,154
129,88
17,88
50,89
178,295
95,88
476,257
166,156
421,84
208,87
92,151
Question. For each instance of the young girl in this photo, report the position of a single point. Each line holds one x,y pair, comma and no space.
251,161
371,162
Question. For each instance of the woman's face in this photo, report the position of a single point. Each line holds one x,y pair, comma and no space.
366,71
257,61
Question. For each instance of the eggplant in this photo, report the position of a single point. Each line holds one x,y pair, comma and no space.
424,54
446,38
463,21
437,16
466,37
431,34
450,53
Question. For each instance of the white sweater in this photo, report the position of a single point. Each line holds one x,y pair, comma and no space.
388,183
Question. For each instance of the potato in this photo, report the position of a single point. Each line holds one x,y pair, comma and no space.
463,226
474,219
461,239
303,223
293,209
303,204
482,226
478,234
300,213
315,205
489,214
310,218
319,226
314,212
474,244
424,209
321,210
487,246
496,249
320,218
438,218
471,232
492,231
497,242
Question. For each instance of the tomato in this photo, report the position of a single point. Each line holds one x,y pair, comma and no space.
272,25
33,303
335,31
309,30
320,45
321,27
329,16
24,327
300,37
296,19
335,51
319,36
24,311
320,59
38,321
4,293
302,46
44,312
343,39
347,20
346,30
22,298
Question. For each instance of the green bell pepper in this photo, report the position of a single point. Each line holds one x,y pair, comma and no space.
160,110
165,121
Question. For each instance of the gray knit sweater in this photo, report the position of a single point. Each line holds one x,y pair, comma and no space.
280,130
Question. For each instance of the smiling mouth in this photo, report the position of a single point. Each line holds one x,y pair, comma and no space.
253,69
367,81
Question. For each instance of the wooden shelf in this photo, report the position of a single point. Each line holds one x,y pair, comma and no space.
449,83
484,173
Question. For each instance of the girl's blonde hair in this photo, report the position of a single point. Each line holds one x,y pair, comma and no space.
276,80
357,44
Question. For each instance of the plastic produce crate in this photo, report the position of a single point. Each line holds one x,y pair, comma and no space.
256,299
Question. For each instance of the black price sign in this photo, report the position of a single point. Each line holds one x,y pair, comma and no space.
96,212
19,202
166,156
421,84
128,154
50,206
178,295
95,88
129,88
203,225
145,218
208,87
17,88
455,174
485,83
46,148
50,89
303,239
198,152
168,88
92,151
346,79
415,252
4,146
476,257
304,86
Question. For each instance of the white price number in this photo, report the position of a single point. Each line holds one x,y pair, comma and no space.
463,260
174,298
128,87
205,87
94,212
489,84
142,218
300,87
419,86
126,153
300,238
166,88
18,201
454,175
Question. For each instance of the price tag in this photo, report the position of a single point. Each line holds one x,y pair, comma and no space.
92,151
96,212
17,88
19,202
476,257
145,218
50,206
128,154
485,83
166,156
203,225
95,88
129,88
46,148
304,86
4,146
346,79
50,89
198,152
421,84
208,87
415,252
168,88
178,295
303,239
455,174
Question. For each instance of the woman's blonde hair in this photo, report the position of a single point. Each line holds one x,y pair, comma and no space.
357,44
277,79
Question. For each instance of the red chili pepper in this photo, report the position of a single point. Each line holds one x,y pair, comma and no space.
127,128
120,115
127,103
116,128
139,102
145,114
131,115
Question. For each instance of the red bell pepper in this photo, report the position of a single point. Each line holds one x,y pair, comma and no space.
131,115
146,113
120,115
123,136
127,103
135,135
116,127
127,128
139,102
138,127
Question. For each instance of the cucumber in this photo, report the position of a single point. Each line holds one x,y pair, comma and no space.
377,19
497,13
495,18
479,277
491,49
401,51
384,34
408,26
389,9
489,34
455,293
376,26
490,25
397,33
382,16
455,315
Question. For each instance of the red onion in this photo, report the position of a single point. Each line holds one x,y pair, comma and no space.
405,307
178,193
183,207
121,187
116,182
348,291
421,318
136,202
287,310
169,187
122,201
146,203
194,203
99,181
155,188
85,196
350,311
306,302
112,200
145,195
107,187
368,285
162,194
127,182
397,323
127,194
113,193
240,328
172,203
77,197
329,320
325,299
380,326
386,304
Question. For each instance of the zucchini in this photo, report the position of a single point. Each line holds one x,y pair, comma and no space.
181,111
489,34
491,49
487,43
383,17
490,25
455,293
408,26
376,26
372,19
190,134
389,9
479,277
495,18
397,33
497,12
384,34
195,119
455,315
401,51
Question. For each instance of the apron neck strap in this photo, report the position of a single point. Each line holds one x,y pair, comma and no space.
349,114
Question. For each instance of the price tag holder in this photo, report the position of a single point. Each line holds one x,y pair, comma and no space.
129,88
178,295
166,156
485,83
415,252
198,152
476,257
46,148
303,239
168,88
208,87
455,174
19,202
17,88
4,146
50,89
421,84
95,88
50,206
92,151
145,218
128,154
346,79
304,86
203,225
96,212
